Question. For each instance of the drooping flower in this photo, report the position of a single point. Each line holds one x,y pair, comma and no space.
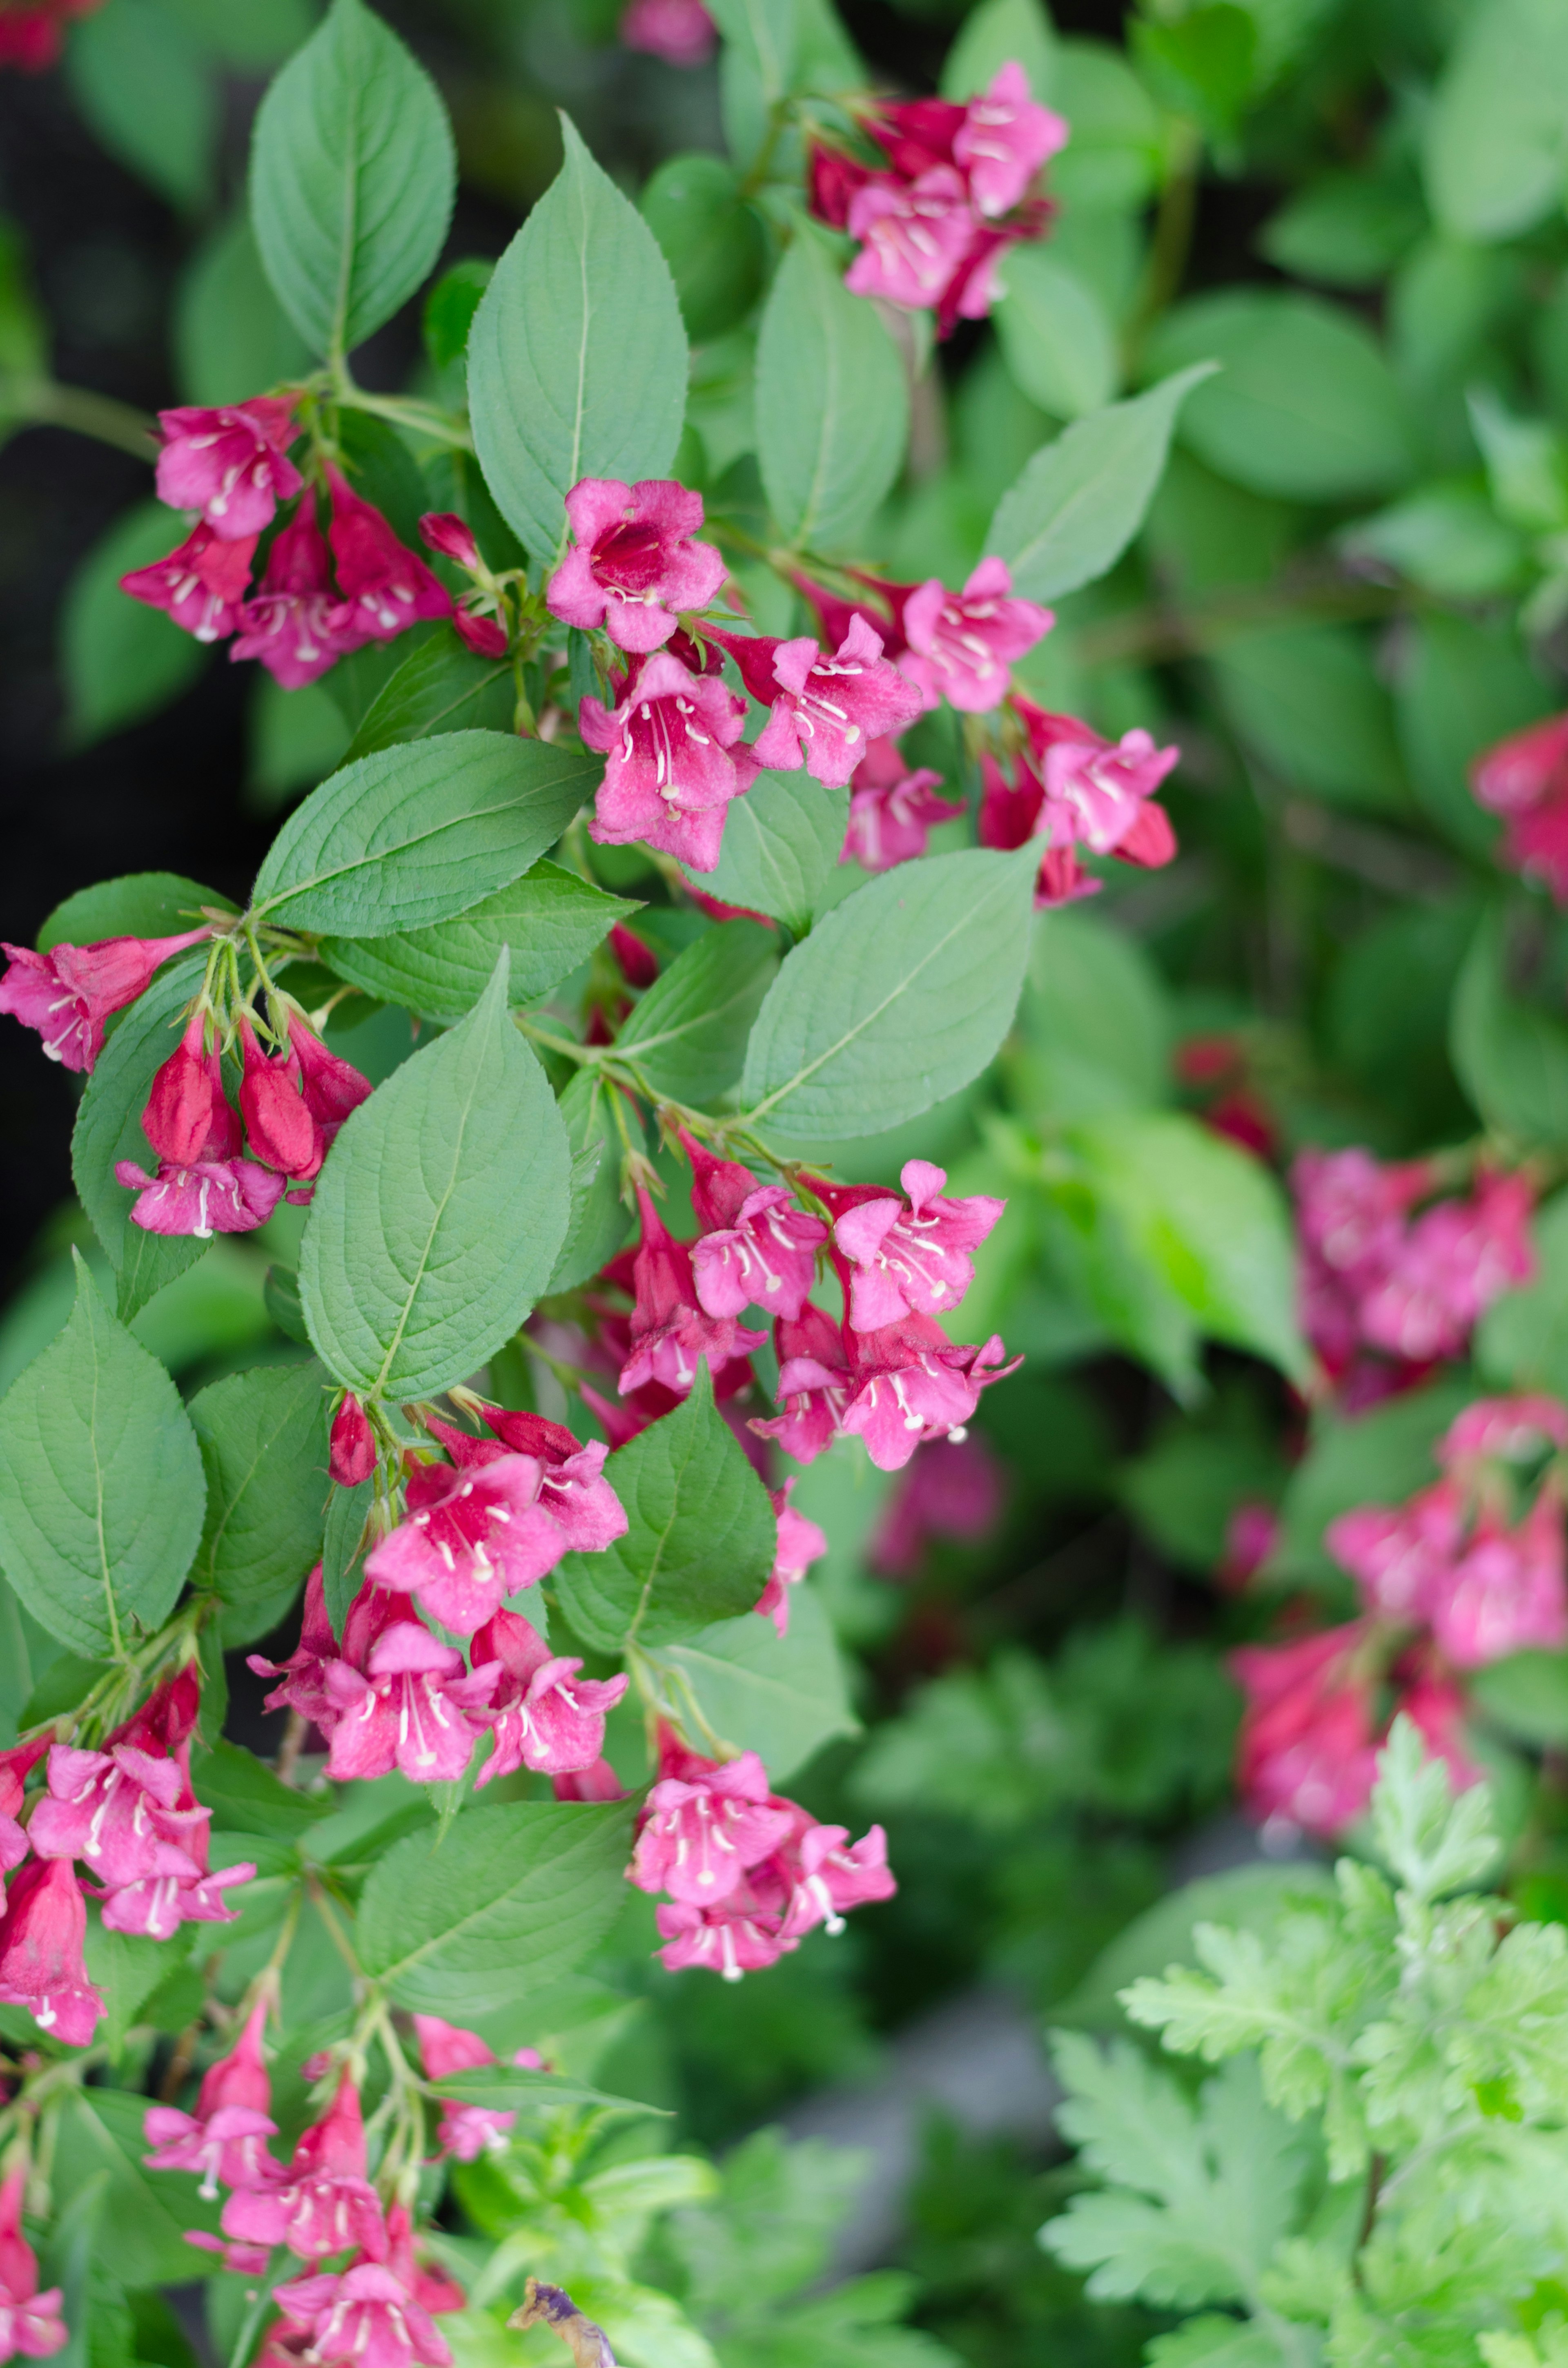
675,761
352,1443
573,1489
1400,1554
801,1543
1306,1754
414,1707
444,531
120,1811
280,1129
633,565
757,1248
545,1714
325,2203
225,2138
1454,1261
332,1088
1004,137
962,645
42,1932
155,1906
201,585
912,1384
1078,790
824,711
68,993
1524,779
472,1536
15,1766
230,462
365,2316
680,32
384,586
466,2131
704,1827
671,1332
814,1384
826,1874
736,1937
203,1198
956,1493
1507,1591
918,242
908,1257
298,624
893,810
30,2322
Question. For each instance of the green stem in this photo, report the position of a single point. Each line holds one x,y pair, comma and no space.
1172,240
40,403
423,418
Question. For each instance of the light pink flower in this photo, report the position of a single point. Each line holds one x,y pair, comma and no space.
893,810
203,1198
962,645
42,1935
325,2203
68,993
955,1494
756,1248
546,1715
824,711
365,2317
1004,140
1306,1754
826,1874
1513,1428
472,1537
814,1384
1098,791
730,1940
120,1811
229,463
703,1828
916,237
572,1488
384,586
671,771
414,1707
910,1383
671,1333
225,2138
1400,1554
801,1543
298,624
907,1258
633,565
1454,1261
155,1906
466,2131
680,32
30,2322
1507,1591
201,585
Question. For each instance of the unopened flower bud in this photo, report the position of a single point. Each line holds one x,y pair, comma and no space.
179,1113
485,636
444,531
351,1454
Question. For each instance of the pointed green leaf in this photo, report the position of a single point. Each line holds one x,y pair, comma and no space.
263,1438
832,399
550,921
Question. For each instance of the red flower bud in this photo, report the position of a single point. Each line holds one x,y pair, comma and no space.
281,1129
448,534
182,1105
351,1453
639,964
485,636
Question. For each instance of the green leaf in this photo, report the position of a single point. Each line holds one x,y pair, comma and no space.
782,1697
128,1967
1378,1457
507,2087
781,846
1307,700
996,34
1496,145
1434,1841
1447,538
1204,65
550,921
108,1129
141,2233
1521,1343
456,1922
263,1438
352,178
582,288
65,2263
1057,337
1305,405
1346,230
897,998
688,1033
1246,1899
701,1541
449,307
150,97
1082,499
121,660
1527,1694
245,1797
101,1492
142,905
419,832
440,686
231,335
1510,1056
600,1218
1094,1022
344,1548
831,402
1115,157
711,240
439,1212
1461,685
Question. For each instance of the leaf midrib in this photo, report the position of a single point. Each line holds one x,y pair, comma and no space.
373,860
440,1211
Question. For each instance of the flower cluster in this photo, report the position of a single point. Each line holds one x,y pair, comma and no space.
1069,785
319,596
466,2132
953,196
70,992
30,2322
747,1874
1383,1293
1466,1571
1524,779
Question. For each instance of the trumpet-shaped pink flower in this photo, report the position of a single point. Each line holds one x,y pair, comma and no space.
916,240
910,1383
826,1874
200,585
472,1537
298,624
155,1906
30,2322
756,1248
366,2316
68,993
1515,1428
633,565
15,1766
1098,791
1004,140
1507,1591
893,810
572,1488
332,1088
201,1198
1306,1753
671,1333
466,2131
1524,779
120,1811
324,2203
1401,1555
229,463
1455,1260
546,1715
735,1938
702,1829
800,1543
352,1443
278,1126
814,1384
962,645
42,1967
187,1116
824,711
414,1707
225,2138
304,1686
908,1257
674,761
680,32
385,588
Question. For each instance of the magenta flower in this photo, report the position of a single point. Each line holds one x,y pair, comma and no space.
30,2322
385,587
332,1088
825,1878
365,2317
633,565
444,531
1306,1754
230,463
1004,140
1507,1591
352,1443
958,1493
893,810
680,32
156,1904
962,645
15,1766
545,1714
916,240
1435,1707
756,1248
304,1687
702,1829
42,1935
1515,1428
280,1129
671,1333
68,993
814,1385
1454,1262
573,1489
299,623
910,1383
599,1782
733,1939
413,1707
801,1543
201,585
1096,791
907,1258
825,712
121,1811
325,2203
671,771
472,1537
225,2138
1524,779
201,1198
466,2131
1401,1555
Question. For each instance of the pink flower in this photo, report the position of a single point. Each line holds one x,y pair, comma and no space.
42,1935
466,2131
325,2203
633,565
801,1543
431,2288
733,1939
229,464
962,645
573,1489
825,712
120,1811
908,1257
225,2138
414,1707
1098,791
484,635
814,1385
304,1673
702,1829
756,1248
15,1766
1454,1261
1437,1709
332,1088
893,810
203,1197
545,1714
352,1443
1306,1753
298,624
912,1384
444,531
1525,779
472,1537
917,238
365,2316
599,1782
385,588
824,1878
1004,140
1507,1590
671,773
680,31
68,993
201,585
958,1493
1400,1556
1514,1427
156,1904
30,2322
671,1333
280,1129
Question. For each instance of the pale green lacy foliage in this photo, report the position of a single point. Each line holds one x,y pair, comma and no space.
1381,2167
